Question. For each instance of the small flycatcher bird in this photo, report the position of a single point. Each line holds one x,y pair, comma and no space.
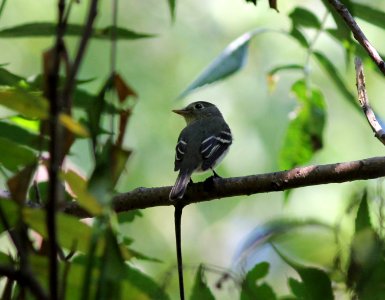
202,144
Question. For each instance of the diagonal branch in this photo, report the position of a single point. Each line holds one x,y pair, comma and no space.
358,33
364,102
218,188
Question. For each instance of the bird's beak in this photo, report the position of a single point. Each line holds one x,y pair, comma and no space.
181,112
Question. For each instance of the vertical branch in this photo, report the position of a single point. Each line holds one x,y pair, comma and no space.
52,67
113,36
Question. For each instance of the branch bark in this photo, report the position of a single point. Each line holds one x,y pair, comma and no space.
364,102
358,33
217,188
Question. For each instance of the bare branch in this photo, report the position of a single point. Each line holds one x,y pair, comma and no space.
358,34
364,102
218,188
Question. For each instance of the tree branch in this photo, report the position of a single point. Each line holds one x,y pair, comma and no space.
217,188
358,34
364,102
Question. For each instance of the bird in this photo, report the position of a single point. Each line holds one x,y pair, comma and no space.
201,145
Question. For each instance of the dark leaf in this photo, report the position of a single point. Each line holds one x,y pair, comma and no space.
251,289
19,183
298,35
14,156
317,284
305,18
273,4
297,288
22,137
9,79
129,216
123,89
47,29
363,217
10,211
200,290
171,5
304,134
252,1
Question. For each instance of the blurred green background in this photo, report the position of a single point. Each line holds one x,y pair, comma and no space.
160,68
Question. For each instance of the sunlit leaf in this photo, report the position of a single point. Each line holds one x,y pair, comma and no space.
305,18
252,289
30,105
225,64
14,156
85,199
46,29
200,290
304,134
73,126
74,236
22,137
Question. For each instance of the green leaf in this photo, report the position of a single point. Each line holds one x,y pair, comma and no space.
76,235
369,14
29,104
317,284
363,217
305,18
297,288
250,287
232,59
171,5
8,78
85,199
21,136
11,212
333,73
14,156
47,29
129,216
144,284
304,134
284,68
200,290
298,35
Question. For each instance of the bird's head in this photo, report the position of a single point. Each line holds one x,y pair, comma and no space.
198,110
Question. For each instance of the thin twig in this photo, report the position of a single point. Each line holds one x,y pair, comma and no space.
218,188
25,279
364,102
358,33
71,79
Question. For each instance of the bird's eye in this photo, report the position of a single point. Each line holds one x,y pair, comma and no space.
198,106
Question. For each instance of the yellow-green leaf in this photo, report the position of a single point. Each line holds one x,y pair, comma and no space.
73,125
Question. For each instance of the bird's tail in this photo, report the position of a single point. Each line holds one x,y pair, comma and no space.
180,185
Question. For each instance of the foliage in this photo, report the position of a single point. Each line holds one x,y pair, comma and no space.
95,259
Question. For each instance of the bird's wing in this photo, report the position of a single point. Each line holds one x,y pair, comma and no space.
213,147
180,150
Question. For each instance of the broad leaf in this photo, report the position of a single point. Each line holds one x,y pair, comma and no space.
305,18
10,211
232,59
200,290
8,78
297,288
14,156
23,137
304,134
316,283
47,29
85,199
129,216
30,105
252,290
19,183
